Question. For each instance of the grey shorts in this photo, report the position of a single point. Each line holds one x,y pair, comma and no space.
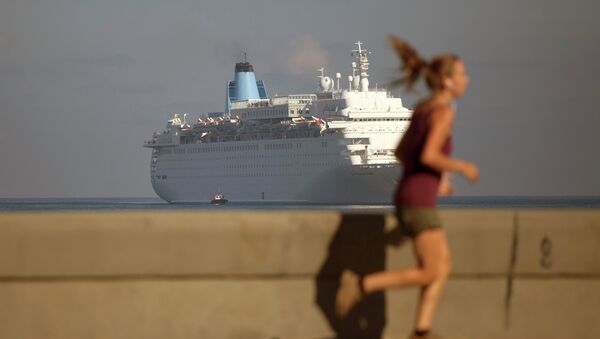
414,220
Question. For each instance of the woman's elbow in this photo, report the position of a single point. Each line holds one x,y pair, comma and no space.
428,159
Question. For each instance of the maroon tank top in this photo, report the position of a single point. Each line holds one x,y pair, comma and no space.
419,183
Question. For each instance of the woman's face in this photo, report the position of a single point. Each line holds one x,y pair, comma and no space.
459,80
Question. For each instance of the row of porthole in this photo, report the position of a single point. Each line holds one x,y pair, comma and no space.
262,166
382,119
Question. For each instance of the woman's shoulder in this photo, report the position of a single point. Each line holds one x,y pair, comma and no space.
442,116
428,105
434,112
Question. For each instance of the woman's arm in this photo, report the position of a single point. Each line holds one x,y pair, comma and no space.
432,156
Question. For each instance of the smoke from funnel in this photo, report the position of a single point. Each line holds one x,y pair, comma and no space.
306,56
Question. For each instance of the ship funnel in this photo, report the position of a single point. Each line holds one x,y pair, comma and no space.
245,81
245,86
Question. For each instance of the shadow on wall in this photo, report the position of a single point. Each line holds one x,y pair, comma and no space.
359,245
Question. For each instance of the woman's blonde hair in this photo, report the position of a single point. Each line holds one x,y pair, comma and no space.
414,66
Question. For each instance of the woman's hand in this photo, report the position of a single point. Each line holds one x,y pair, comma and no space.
470,172
445,188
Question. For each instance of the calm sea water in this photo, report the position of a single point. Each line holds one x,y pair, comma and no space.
72,204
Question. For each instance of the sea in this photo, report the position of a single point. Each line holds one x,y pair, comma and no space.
121,204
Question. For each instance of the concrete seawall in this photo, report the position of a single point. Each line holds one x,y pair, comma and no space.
516,274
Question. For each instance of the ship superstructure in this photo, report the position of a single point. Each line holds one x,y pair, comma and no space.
334,146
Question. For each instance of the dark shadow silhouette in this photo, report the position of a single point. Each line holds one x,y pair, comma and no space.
358,244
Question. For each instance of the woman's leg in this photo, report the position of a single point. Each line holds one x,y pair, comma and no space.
433,256
431,250
440,263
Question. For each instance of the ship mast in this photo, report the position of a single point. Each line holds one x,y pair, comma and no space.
363,65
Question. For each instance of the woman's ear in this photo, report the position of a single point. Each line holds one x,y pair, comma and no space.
448,83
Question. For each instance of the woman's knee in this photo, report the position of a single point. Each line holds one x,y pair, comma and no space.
432,275
436,274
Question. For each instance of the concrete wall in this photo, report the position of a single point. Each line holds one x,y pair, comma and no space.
517,274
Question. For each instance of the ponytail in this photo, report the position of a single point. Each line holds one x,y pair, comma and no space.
414,66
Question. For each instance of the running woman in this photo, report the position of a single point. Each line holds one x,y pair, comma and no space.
424,153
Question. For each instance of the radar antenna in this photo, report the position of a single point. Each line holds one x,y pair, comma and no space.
325,82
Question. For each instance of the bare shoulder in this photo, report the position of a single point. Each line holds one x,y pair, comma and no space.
443,115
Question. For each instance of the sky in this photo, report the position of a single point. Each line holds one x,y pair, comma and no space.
83,83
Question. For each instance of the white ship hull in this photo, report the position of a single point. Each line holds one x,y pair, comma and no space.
312,170
335,186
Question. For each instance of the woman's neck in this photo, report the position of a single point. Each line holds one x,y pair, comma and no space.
442,98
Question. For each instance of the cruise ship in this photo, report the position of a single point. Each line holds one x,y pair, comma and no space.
334,146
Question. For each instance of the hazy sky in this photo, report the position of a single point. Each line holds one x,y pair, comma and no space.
83,83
